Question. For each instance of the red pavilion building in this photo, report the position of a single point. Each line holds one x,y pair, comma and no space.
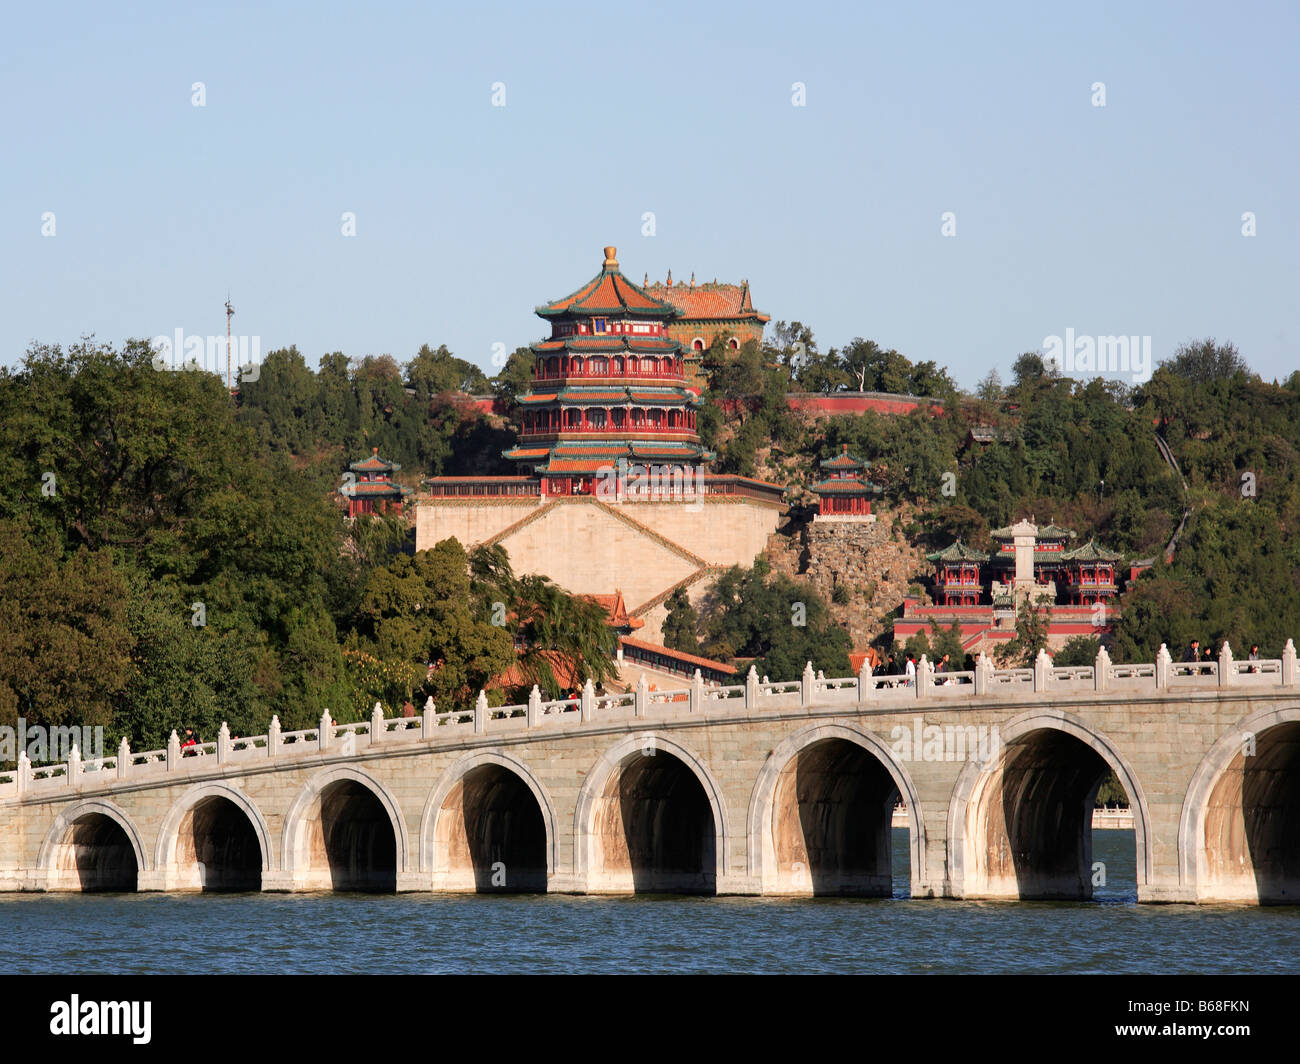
844,494
371,489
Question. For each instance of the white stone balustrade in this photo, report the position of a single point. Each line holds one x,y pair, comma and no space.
984,681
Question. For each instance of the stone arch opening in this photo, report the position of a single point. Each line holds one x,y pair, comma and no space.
349,843
653,828
832,820
491,834
1251,832
94,854
217,848
1029,819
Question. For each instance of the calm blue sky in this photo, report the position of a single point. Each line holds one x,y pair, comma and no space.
1123,219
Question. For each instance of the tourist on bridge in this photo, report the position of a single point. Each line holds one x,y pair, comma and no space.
1253,656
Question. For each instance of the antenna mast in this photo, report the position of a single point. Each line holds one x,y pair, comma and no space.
230,313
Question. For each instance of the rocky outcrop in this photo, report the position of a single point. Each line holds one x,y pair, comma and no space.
871,563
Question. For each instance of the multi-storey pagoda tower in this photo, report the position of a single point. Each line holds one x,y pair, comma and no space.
609,396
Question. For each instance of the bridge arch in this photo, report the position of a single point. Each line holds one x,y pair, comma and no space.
1239,828
91,845
765,861
488,794
336,834
981,804
675,796
213,838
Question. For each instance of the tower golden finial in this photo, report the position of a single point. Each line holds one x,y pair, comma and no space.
610,261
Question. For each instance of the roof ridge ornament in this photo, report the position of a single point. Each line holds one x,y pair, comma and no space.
611,263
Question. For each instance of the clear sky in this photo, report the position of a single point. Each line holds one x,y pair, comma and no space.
1122,219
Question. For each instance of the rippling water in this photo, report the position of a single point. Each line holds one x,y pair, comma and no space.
422,933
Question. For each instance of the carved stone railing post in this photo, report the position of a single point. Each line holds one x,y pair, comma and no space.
24,780
1288,664
641,701
807,685
323,730
697,692
123,758
535,705
428,721
1163,664
74,765
751,688
924,677
173,751
864,680
376,724
983,674
223,743
1225,665
1101,670
1042,670
587,703
480,713
273,738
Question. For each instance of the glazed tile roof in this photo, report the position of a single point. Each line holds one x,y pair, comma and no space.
374,488
617,610
576,465
717,302
957,552
374,464
1090,552
843,460
847,487
609,292
639,345
689,659
579,394
1044,532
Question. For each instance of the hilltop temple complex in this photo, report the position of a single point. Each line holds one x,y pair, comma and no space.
1032,563
705,312
613,490
613,498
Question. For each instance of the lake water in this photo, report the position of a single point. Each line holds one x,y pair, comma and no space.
423,933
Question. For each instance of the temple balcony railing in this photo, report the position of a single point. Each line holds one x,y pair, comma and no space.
612,376
811,691
622,432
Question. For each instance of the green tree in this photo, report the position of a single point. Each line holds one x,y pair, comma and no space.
421,609
752,613
1202,361
1032,625
65,647
1078,650
681,624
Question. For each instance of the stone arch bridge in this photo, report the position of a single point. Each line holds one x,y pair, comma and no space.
759,788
